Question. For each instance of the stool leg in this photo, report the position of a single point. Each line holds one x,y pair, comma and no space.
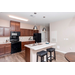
50,56
37,58
54,55
41,59
47,57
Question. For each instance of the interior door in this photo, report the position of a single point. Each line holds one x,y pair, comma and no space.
43,36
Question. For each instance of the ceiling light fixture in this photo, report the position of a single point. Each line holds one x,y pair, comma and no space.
35,27
18,18
44,29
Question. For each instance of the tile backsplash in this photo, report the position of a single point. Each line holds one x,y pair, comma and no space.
25,38
3,39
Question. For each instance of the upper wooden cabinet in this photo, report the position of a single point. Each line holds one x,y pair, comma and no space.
22,32
36,31
31,32
1,31
15,26
28,32
7,31
12,25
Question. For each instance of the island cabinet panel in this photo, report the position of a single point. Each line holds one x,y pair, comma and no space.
25,43
27,54
1,31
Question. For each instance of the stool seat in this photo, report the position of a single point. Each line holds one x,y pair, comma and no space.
41,53
51,49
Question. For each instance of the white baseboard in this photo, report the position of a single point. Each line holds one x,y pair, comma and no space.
61,51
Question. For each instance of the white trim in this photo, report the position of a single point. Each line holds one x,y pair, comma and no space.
61,51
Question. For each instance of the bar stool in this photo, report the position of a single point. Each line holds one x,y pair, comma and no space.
51,50
42,54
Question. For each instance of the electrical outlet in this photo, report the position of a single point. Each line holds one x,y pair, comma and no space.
66,38
58,47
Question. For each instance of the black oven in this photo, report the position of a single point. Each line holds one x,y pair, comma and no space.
15,43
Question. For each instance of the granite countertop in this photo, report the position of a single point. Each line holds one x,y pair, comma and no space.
5,42
41,46
26,40
10,42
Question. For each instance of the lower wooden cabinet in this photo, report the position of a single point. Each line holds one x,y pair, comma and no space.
1,49
5,48
25,43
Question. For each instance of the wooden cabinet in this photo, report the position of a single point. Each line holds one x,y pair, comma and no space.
31,42
28,32
1,31
25,43
22,32
36,31
6,31
15,26
31,32
1,49
12,25
5,48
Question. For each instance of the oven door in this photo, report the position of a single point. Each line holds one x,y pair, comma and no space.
15,47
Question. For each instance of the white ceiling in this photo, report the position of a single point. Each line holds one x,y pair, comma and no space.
38,18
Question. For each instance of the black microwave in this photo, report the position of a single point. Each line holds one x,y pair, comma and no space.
13,33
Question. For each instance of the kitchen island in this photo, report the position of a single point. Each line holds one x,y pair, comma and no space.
32,49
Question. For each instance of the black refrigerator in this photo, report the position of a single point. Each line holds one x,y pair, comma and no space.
37,37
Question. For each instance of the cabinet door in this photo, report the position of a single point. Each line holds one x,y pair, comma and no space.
22,46
1,49
17,26
22,32
12,25
6,31
36,31
31,32
27,32
32,42
1,31
7,49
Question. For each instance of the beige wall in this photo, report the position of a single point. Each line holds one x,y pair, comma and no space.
5,23
65,29
28,26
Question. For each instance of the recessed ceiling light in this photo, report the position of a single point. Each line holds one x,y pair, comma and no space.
18,18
